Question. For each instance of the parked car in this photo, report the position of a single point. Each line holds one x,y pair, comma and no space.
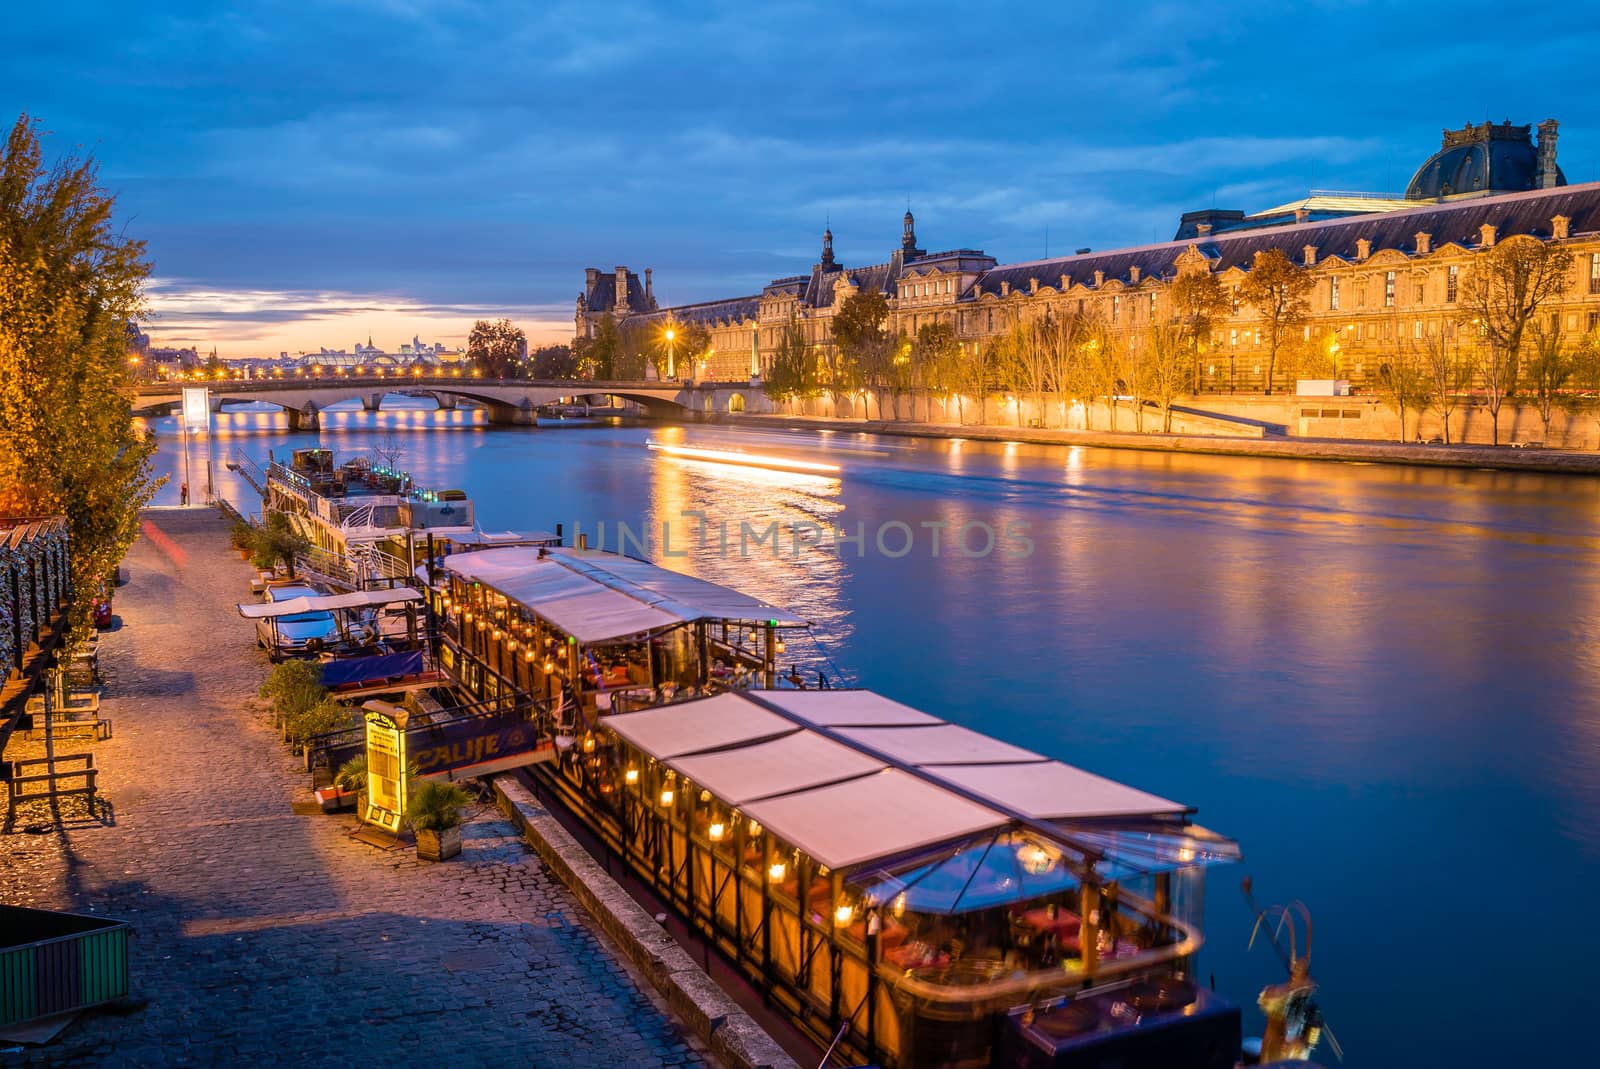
300,633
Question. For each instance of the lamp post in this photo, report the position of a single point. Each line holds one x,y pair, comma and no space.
671,337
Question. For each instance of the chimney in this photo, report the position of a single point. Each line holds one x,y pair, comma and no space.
1202,230
1545,172
622,289
649,290
1066,283
1302,215
591,275
1363,248
1033,285
1099,279
1310,254
1424,243
1005,288
1486,235
1133,274
1558,227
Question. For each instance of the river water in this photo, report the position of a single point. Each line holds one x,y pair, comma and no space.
1383,681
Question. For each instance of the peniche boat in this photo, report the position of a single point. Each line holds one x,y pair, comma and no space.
369,521
917,892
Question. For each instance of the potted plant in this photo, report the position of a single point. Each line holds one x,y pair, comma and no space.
244,537
348,786
434,812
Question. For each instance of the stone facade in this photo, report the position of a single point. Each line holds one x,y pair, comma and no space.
1380,278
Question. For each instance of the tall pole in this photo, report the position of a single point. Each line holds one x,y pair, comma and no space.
183,430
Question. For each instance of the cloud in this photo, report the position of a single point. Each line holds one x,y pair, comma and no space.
454,155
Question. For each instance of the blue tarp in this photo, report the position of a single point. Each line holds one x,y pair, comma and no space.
361,669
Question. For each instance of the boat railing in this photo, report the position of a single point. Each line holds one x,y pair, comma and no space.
1013,989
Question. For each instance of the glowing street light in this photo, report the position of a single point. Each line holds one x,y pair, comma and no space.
671,336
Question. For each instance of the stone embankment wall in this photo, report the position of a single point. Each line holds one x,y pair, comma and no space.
699,1003
1363,417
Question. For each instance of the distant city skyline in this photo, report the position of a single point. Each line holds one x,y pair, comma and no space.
291,204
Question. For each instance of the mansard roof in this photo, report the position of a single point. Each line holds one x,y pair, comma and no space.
601,296
1459,222
731,310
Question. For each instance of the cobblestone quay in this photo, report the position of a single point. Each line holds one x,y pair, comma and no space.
266,937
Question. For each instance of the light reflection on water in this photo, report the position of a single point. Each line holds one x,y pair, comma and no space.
1381,680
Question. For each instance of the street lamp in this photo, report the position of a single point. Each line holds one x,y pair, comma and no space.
671,337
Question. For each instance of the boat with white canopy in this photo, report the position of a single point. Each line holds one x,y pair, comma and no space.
869,865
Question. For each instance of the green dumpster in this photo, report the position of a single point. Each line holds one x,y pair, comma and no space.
57,962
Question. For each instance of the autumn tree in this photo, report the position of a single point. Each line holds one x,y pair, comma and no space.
1166,354
1198,303
597,356
553,362
1501,294
1025,363
1276,286
937,357
70,282
865,343
1451,368
793,373
496,349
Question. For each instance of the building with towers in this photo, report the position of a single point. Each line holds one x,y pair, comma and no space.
1383,269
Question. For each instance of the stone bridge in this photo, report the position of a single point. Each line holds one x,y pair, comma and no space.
508,401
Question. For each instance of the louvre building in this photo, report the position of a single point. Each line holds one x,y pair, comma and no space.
1384,268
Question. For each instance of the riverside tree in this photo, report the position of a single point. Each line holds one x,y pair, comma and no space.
793,374
863,339
1502,293
70,283
1405,384
1198,301
496,349
1276,286
937,356
1451,368
1551,366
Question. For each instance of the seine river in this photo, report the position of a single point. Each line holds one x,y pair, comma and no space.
1383,681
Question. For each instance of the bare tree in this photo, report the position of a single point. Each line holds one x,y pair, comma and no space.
1451,368
1277,287
1405,384
1503,291
388,451
1550,369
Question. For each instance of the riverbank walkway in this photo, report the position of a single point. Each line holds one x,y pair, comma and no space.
263,934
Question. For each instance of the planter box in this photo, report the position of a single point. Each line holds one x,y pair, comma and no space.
439,845
56,962
333,799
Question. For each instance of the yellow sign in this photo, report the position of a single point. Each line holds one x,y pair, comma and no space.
386,765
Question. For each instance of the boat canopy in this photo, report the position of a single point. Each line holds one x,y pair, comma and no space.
940,744
596,597
915,805
845,708
360,599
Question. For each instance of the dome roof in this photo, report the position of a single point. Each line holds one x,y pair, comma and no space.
1495,160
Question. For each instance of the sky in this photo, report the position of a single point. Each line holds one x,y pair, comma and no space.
308,174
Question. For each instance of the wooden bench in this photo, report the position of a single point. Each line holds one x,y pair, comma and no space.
21,776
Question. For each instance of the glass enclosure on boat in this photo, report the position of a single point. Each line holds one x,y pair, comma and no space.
597,631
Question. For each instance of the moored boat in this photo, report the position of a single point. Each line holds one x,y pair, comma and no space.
935,896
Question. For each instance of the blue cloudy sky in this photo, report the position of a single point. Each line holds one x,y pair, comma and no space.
307,173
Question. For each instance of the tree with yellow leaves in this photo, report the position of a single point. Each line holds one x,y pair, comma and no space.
69,285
